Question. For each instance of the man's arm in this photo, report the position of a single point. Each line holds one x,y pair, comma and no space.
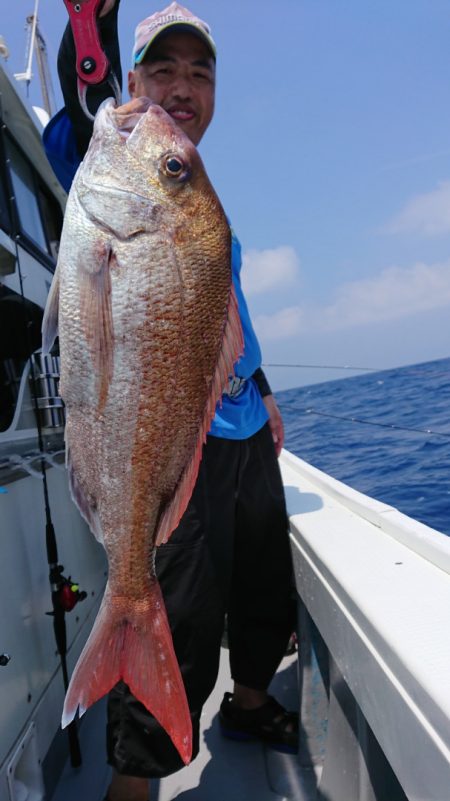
107,25
275,419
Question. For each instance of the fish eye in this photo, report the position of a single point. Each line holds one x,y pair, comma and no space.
173,166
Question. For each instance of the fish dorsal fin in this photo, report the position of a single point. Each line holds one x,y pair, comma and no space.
232,348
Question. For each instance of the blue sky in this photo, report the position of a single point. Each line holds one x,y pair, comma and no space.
330,150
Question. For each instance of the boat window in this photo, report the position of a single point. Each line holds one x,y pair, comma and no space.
25,193
20,335
5,220
53,219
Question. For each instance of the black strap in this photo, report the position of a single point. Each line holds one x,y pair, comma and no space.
261,382
82,126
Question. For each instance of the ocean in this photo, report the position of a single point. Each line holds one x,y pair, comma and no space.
370,431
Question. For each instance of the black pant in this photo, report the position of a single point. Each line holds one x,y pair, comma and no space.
229,554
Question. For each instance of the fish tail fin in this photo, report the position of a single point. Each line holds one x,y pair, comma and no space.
133,642
99,666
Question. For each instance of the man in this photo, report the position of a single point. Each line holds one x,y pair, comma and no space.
230,553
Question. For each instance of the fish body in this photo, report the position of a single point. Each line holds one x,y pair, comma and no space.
149,331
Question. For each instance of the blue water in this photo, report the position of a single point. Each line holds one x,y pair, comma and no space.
406,469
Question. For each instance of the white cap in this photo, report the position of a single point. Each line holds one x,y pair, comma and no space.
172,16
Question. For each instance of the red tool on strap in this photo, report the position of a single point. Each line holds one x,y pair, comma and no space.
92,64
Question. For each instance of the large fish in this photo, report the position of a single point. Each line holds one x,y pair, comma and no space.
149,331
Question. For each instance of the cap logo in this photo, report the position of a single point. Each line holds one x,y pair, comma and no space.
168,18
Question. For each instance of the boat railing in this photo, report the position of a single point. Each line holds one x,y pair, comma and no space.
374,655
49,402
20,453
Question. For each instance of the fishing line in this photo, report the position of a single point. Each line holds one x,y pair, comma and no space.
327,367
391,426
404,370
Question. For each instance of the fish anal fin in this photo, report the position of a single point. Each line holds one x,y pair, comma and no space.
232,348
50,320
132,641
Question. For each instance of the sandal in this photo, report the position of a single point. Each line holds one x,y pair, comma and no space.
271,723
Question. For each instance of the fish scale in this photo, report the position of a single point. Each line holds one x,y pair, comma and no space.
149,331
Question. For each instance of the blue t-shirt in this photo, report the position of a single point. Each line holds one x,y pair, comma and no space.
241,416
236,417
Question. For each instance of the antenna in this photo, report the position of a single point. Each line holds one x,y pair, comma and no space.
36,44
44,73
31,24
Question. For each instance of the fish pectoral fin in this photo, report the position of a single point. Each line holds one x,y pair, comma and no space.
97,321
232,348
131,640
50,320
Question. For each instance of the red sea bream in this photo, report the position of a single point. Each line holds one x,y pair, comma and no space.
148,326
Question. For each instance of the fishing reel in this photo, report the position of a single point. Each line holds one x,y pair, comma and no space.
65,592
70,594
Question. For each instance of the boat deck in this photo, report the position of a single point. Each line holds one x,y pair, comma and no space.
223,771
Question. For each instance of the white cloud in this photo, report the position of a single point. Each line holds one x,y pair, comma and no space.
282,325
427,214
397,292
268,269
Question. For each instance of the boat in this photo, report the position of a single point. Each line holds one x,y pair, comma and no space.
370,678
32,472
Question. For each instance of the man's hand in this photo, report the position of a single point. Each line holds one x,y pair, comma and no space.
128,115
275,422
137,105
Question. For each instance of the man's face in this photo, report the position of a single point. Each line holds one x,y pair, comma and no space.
179,75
